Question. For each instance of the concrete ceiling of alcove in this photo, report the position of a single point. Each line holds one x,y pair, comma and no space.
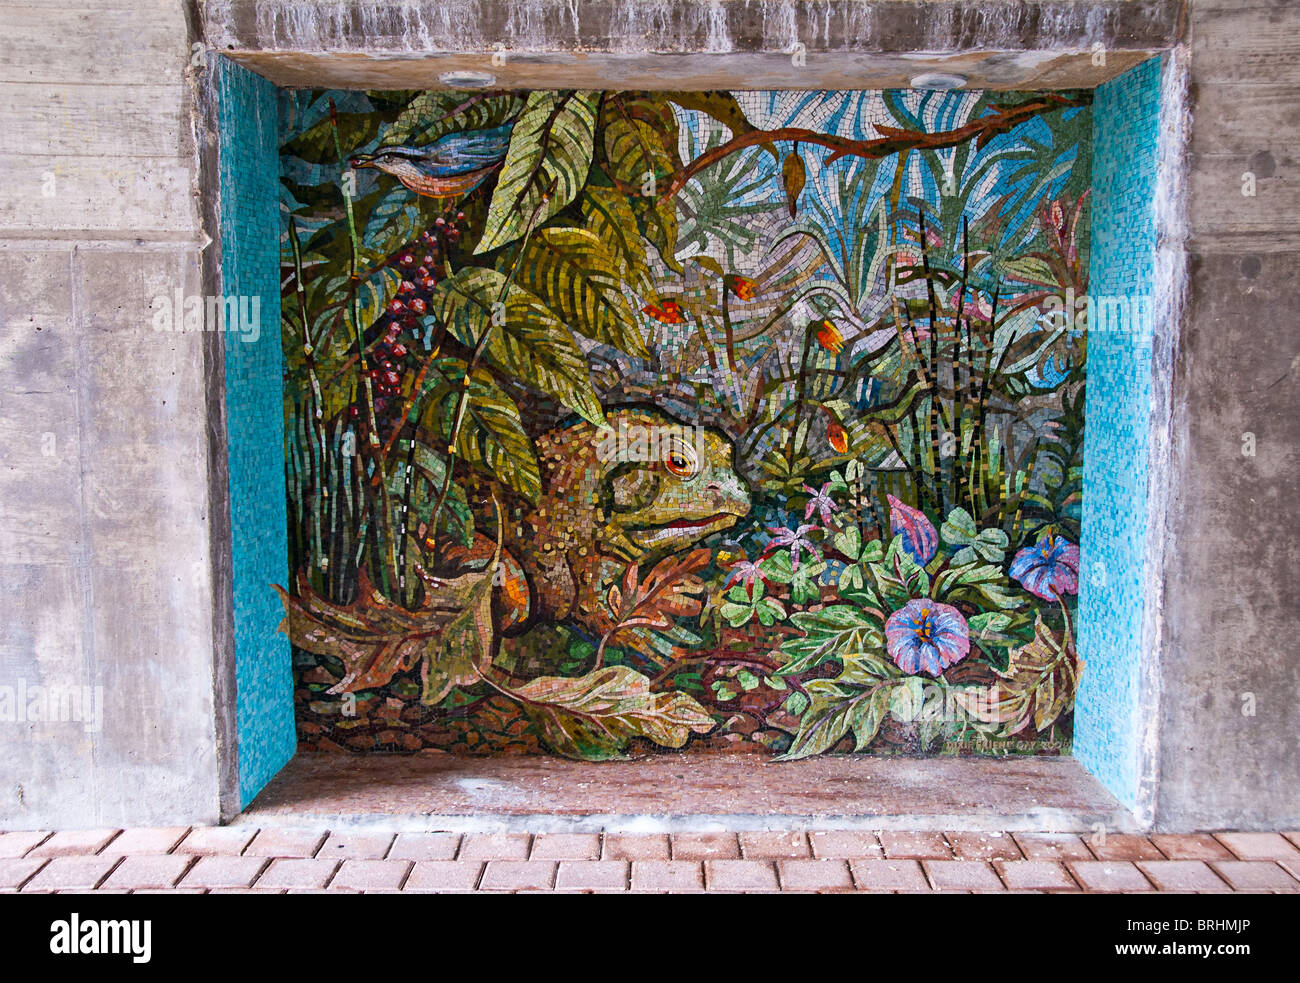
700,44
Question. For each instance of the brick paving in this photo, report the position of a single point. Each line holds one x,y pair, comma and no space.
239,859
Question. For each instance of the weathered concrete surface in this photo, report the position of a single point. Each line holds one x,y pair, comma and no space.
111,558
687,791
715,44
103,493
1231,663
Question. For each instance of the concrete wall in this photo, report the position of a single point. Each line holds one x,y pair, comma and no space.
1231,620
108,565
105,557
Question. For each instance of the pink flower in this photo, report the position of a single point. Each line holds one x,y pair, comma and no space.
919,535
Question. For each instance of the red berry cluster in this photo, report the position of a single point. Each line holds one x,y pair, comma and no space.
393,335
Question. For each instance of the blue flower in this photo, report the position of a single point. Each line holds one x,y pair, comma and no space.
926,636
1049,569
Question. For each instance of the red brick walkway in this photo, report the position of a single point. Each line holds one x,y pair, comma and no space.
241,859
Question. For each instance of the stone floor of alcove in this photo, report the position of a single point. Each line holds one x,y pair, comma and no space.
670,792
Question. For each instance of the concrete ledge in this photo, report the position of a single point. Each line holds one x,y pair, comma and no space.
699,44
675,792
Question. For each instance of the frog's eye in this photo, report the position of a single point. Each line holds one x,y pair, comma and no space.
681,460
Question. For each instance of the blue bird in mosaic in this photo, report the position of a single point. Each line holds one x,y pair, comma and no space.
451,166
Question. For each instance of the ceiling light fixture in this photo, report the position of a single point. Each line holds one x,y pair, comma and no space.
467,80
938,81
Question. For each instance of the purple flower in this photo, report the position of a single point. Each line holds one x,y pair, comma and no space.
1049,569
746,571
919,535
821,503
926,636
797,540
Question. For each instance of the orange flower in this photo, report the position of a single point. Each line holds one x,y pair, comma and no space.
741,286
666,313
829,337
838,437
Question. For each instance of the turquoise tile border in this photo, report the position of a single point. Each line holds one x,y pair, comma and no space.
250,264
1108,712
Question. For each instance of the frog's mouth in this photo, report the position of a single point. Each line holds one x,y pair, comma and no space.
682,530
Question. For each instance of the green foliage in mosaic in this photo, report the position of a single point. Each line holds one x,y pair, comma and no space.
546,165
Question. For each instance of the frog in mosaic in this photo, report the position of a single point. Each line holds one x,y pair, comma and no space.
645,487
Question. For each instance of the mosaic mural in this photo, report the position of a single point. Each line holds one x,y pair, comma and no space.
619,421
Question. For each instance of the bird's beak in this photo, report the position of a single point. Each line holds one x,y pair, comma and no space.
362,160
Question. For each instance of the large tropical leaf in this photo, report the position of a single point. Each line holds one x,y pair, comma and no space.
546,165
578,279
855,702
432,115
376,638
611,219
491,436
836,632
428,473
637,151
1038,685
527,341
593,717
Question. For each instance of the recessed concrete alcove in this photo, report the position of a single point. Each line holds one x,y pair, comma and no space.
1126,54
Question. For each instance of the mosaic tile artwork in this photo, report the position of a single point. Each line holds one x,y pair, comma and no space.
253,369
623,421
1125,134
